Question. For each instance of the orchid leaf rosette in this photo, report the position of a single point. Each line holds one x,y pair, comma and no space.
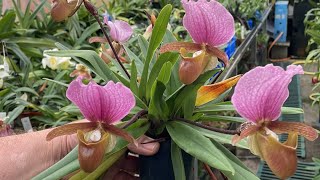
102,106
210,25
258,97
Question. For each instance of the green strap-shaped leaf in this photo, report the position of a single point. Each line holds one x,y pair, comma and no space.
90,58
143,44
7,22
180,97
174,82
223,138
156,38
27,65
195,144
163,58
135,58
14,113
165,73
158,108
177,162
68,159
227,106
87,33
188,105
133,79
28,20
213,117
241,171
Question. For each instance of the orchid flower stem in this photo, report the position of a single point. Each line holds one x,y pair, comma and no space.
225,131
220,72
135,118
223,176
93,11
209,171
215,79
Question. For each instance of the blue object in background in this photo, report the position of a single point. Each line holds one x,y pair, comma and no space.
258,15
229,50
231,47
250,24
280,20
106,14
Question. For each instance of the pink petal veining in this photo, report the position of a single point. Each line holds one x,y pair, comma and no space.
260,93
120,31
109,103
208,22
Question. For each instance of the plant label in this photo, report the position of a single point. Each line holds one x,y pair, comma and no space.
26,124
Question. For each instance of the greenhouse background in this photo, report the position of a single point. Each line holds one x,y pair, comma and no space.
160,89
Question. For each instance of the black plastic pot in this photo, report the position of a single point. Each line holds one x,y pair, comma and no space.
159,166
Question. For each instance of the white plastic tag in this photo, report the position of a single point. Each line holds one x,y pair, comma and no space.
26,124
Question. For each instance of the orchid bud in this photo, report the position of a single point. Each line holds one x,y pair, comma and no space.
314,80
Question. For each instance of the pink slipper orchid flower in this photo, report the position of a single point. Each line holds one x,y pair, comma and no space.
120,31
258,97
210,25
102,106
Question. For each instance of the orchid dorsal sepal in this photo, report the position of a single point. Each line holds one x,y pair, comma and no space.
210,92
208,22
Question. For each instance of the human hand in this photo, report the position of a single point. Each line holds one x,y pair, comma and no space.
26,155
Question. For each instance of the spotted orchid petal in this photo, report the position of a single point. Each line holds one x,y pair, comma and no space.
302,129
69,129
260,93
108,104
208,22
120,31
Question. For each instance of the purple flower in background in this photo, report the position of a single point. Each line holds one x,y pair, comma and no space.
120,31
258,97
